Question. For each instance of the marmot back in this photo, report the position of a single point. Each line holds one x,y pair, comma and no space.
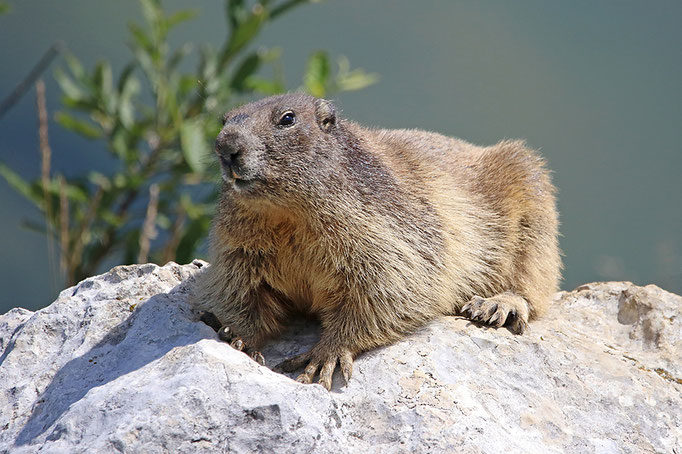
375,232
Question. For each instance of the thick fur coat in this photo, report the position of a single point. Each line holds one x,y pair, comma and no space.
373,231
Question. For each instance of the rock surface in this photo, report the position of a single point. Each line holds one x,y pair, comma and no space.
119,363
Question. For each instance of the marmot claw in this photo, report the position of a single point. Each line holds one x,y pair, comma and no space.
497,311
316,358
225,334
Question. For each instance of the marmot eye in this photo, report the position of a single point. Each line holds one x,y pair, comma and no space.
288,119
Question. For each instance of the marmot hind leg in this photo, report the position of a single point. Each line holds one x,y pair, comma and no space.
505,309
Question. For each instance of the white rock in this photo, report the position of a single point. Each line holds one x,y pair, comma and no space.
119,363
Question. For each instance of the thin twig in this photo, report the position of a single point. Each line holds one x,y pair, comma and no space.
148,231
45,158
21,89
63,229
45,151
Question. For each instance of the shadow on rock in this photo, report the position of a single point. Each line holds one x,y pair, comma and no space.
157,326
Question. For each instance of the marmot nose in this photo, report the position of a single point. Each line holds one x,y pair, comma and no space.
228,145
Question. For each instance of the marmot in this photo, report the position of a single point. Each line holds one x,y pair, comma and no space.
373,231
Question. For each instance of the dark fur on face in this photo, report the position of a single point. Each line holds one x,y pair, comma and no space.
280,160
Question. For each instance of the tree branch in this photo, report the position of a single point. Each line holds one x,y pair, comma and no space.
21,89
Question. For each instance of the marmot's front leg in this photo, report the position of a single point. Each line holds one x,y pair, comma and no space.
346,333
246,323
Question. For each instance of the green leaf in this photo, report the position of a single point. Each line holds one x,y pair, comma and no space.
103,80
102,77
199,210
145,61
151,10
142,41
270,55
179,17
100,180
126,112
74,192
163,221
118,143
20,185
125,76
128,86
75,67
4,8
193,143
81,127
178,55
247,68
209,67
86,105
111,218
347,80
187,84
316,75
356,80
68,86
235,12
264,86
242,35
34,226
120,181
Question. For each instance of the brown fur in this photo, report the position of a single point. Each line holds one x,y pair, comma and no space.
374,231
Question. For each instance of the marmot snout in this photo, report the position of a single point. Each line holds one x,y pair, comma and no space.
374,231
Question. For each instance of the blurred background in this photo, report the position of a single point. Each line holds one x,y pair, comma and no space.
596,86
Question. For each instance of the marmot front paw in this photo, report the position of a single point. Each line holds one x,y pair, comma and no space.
225,334
320,356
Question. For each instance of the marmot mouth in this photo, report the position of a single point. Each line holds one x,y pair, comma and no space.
240,184
230,167
235,173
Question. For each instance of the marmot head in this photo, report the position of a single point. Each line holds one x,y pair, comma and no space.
279,147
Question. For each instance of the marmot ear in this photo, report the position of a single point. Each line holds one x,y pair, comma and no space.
325,114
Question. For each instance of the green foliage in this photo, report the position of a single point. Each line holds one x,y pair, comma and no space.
159,122
319,80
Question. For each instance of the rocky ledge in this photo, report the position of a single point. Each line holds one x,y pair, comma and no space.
120,363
